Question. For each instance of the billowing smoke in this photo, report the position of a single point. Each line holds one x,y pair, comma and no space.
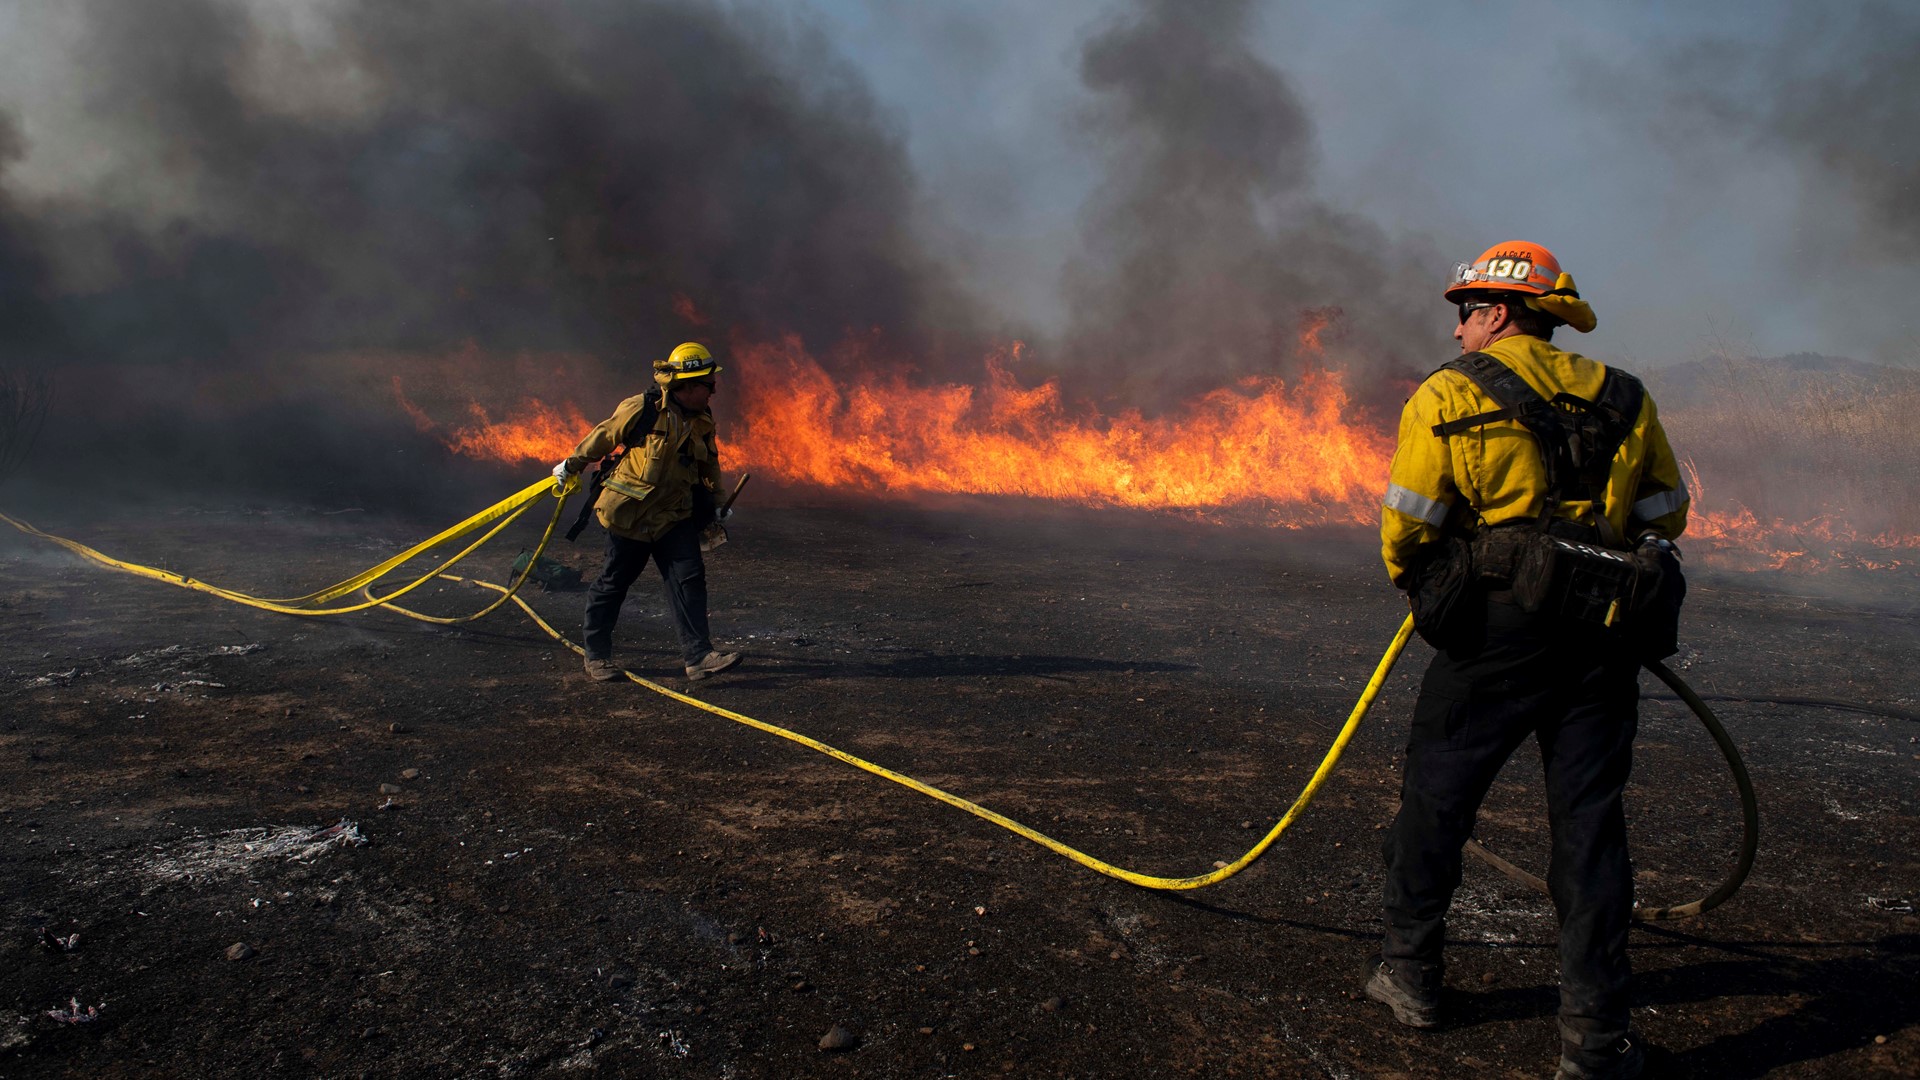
1858,119
1831,93
25,322
1825,103
263,210
1207,253
602,177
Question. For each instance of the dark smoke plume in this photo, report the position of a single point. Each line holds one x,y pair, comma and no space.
1836,93
549,177
25,324
1207,253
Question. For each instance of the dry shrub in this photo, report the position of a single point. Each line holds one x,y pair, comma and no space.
1829,446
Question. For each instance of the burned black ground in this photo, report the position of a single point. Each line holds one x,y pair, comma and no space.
586,876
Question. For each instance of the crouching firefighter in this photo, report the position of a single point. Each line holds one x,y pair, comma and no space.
1530,517
654,500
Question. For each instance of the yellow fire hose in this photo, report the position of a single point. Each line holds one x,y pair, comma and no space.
500,515
507,510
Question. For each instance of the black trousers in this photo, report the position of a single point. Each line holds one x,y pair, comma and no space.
1578,696
677,554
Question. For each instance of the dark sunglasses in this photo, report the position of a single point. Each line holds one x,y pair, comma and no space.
1467,310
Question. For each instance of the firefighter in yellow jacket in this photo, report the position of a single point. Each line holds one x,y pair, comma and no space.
655,505
1530,515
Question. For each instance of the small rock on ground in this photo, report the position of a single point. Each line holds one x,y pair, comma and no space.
239,950
839,1038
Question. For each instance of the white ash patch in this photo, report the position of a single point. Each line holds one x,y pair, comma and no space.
1833,807
234,852
176,655
1875,750
1486,909
53,678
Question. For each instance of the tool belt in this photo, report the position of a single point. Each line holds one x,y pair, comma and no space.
1566,580
1564,584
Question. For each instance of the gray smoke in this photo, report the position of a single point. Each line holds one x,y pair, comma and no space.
1833,94
515,175
25,323
255,212
1207,251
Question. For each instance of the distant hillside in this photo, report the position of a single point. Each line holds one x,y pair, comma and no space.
1797,376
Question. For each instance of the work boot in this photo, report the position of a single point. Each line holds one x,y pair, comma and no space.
1412,1005
1592,1058
712,664
602,669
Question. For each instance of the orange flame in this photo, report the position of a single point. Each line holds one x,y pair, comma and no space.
1737,538
1263,450
537,432
1315,322
1260,443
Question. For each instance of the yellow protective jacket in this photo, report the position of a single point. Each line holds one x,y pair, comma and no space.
1495,473
651,490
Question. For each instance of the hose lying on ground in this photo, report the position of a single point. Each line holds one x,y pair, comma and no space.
1749,817
507,510
1867,707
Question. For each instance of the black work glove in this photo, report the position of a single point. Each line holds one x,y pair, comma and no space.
705,511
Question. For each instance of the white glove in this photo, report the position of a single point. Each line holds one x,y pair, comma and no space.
723,513
560,475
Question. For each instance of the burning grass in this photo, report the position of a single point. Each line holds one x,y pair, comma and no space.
1793,466
1286,453
1803,468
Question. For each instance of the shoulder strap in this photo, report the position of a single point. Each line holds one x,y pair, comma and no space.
642,422
1620,400
1517,400
1577,438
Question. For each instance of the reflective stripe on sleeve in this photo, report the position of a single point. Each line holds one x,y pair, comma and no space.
1415,505
1661,503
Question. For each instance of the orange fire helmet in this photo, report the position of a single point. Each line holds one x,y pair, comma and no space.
1515,266
1521,267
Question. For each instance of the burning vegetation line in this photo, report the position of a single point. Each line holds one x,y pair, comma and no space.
1260,450
1285,452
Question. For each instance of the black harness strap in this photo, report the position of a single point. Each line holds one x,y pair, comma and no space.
1577,438
642,423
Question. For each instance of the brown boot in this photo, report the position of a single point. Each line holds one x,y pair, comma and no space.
712,664
603,669
1413,1006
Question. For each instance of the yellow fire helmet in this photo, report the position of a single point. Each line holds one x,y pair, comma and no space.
690,361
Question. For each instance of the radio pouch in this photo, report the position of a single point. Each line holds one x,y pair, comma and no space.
1447,608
